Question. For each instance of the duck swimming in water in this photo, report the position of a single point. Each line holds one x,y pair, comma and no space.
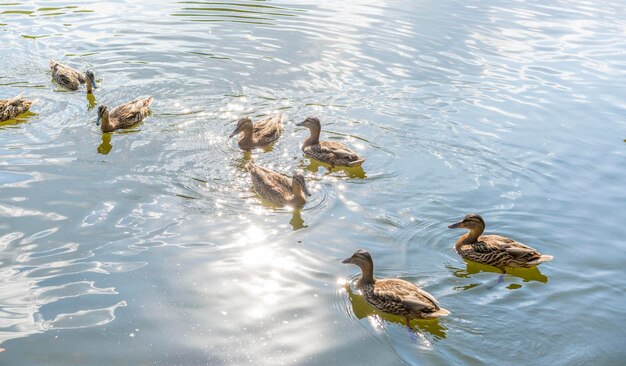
494,250
260,134
393,295
11,108
329,152
70,78
123,116
277,188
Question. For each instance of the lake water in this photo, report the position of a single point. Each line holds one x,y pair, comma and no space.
149,246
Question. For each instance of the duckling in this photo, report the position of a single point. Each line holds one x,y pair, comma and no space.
70,78
123,116
330,152
494,250
393,295
263,133
278,188
11,108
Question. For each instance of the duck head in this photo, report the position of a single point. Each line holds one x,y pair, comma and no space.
103,113
361,258
242,125
472,222
91,80
311,123
298,179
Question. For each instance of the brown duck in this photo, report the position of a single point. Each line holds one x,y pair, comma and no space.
277,188
393,295
494,250
330,152
70,78
11,108
262,133
123,116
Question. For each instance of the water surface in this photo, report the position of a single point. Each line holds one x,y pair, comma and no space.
149,246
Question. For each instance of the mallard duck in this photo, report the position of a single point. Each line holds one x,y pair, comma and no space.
278,188
260,134
123,116
330,152
494,250
393,295
70,78
11,108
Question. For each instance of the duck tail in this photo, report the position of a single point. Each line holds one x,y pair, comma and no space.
357,163
439,313
53,63
545,258
250,166
147,101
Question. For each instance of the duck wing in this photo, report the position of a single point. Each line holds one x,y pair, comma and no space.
269,129
339,150
130,113
403,292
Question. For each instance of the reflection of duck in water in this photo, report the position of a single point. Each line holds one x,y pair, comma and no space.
11,108
393,295
329,152
494,250
472,268
296,221
260,134
123,116
70,78
278,188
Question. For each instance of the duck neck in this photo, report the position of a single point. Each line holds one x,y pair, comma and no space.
471,237
367,274
89,86
298,195
314,137
248,134
105,124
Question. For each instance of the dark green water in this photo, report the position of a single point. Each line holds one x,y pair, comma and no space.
149,247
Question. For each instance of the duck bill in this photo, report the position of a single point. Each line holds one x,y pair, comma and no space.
98,120
300,124
235,132
455,225
347,260
93,84
306,190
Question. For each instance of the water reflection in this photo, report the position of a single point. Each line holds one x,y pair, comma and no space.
362,309
473,268
91,100
296,221
105,145
22,118
351,172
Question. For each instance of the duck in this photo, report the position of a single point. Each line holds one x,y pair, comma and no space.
393,295
11,108
278,188
329,152
123,116
494,250
260,134
70,78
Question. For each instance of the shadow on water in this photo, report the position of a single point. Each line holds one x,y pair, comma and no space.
314,166
362,309
473,268
105,147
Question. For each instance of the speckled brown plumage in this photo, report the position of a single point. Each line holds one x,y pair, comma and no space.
393,295
259,134
494,250
125,115
330,152
11,108
277,188
70,78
